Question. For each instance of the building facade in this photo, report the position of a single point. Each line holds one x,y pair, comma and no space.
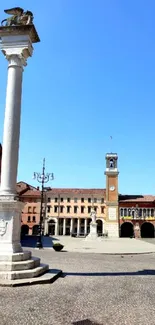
137,216
67,211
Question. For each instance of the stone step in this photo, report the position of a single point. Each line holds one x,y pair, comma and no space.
14,257
24,274
20,265
48,277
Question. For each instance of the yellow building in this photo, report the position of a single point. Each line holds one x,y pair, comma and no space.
68,211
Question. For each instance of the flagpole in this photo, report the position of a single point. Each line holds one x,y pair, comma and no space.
111,143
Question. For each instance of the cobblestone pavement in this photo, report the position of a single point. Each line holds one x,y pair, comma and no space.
102,289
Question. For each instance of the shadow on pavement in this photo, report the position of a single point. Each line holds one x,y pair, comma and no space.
30,241
85,322
142,272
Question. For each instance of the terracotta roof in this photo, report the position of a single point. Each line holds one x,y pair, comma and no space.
136,198
31,193
86,191
22,187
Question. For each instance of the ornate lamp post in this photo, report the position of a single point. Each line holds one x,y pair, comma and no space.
42,178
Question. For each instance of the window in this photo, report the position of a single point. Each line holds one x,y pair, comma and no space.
82,209
95,209
75,200
152,212
34,209
95,200
68,209
56,199
148,212
102,209
89,200
140,212
61,199
68,199
75,209
61,209
48,208
41,218
28,219
89,209
55,208
82,200
48,199
129,212
34,219
125,212
29,209
102,200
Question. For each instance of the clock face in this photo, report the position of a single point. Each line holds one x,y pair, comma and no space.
112,188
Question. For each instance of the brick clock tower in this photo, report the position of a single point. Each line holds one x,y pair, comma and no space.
112,224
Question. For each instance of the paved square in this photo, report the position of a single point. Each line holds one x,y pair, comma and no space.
96,288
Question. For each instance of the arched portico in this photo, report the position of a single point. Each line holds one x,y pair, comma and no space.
100,226
51,227
35,230
24,230
147,230
127,229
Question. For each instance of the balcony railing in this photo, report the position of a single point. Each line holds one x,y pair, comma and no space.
137,218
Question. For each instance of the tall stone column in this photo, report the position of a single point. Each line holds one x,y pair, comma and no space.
78,227
16,48
57,227
12,122
72,226
64,226
16,45
85,226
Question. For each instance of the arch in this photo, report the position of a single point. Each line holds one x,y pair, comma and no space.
147,230
24,230
35,230
127,229
99,227
51,227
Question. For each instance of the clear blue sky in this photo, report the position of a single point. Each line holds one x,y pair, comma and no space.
91,76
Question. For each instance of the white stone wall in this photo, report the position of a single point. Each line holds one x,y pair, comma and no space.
112,229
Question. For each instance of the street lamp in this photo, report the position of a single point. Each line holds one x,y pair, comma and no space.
42,178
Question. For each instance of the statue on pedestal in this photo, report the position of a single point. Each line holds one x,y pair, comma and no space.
93,216
19,17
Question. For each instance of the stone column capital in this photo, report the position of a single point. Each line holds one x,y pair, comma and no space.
17,57
16,49
15,60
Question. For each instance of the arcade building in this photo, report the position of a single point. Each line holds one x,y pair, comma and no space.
67,211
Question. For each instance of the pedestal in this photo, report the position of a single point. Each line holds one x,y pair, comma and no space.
93,231
10,225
